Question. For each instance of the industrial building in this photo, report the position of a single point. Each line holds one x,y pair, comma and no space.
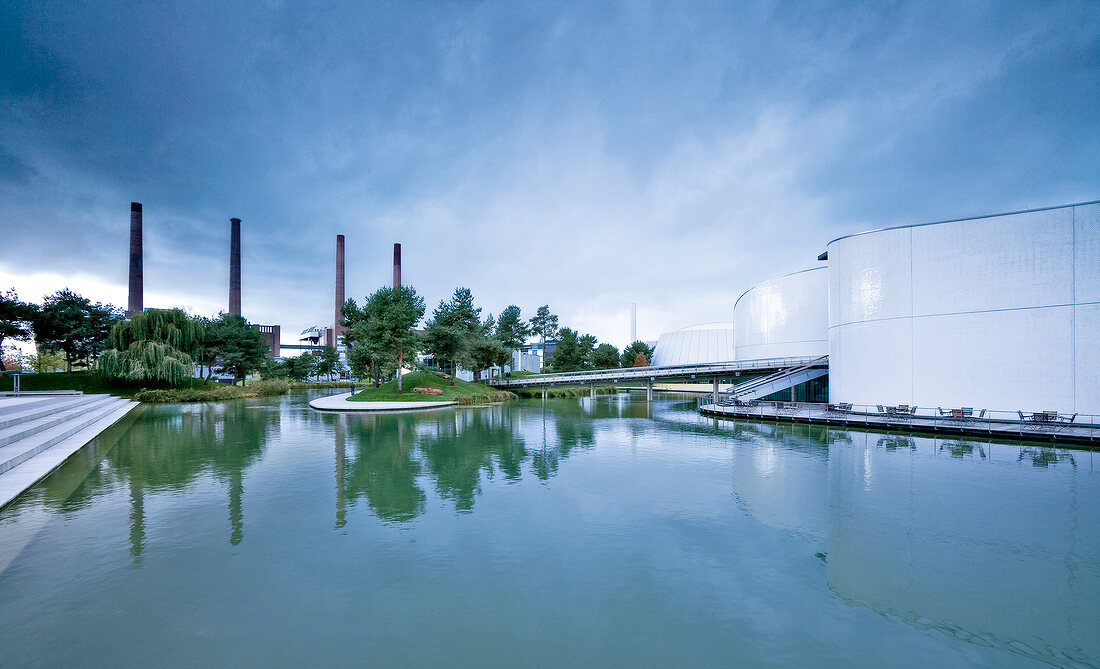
996,311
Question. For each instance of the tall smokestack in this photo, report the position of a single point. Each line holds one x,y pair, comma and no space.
235,267
339,287
135,302
396,265
633,322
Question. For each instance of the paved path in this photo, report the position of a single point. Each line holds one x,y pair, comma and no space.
340,402
1062,433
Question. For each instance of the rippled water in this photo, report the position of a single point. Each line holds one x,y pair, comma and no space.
571,533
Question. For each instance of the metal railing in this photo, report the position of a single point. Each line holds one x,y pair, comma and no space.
708,369
996,423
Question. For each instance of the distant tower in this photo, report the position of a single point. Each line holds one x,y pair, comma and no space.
135,302
396,265
336,328
235,267
633,322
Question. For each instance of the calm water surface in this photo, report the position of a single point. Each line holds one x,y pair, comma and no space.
575,533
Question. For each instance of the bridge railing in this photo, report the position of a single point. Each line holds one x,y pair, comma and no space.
707,368
997,423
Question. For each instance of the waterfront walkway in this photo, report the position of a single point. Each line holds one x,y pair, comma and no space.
997,424
340,402
39,432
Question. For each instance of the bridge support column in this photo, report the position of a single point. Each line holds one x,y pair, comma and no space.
544,394
649,391
592,392
715,391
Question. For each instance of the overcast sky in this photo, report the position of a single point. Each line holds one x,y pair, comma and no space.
584,155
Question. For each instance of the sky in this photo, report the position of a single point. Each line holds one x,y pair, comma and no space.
584,155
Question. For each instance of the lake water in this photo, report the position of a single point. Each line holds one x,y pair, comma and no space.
571,533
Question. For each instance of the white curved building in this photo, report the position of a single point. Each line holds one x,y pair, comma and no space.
709,342
1000,312
783,317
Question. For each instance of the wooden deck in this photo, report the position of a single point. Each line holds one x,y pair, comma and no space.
1062,433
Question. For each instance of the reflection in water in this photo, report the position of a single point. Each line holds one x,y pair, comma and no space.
1045,457
937,542
992,544
383,469
176,446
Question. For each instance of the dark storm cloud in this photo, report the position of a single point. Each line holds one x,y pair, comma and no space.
718,143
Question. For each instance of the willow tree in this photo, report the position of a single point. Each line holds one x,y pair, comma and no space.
154,346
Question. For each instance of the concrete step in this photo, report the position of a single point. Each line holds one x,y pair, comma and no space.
18,479
37,441
24,428
29,411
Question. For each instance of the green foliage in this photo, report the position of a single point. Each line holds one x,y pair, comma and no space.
455,325
328,362
629,357
462,392
154,347
237,347
145,362
214,393
573,351
169,326
380,334
483,352
74,325
605,356
301,367
15,319
512,331
273,369
45,362
545,325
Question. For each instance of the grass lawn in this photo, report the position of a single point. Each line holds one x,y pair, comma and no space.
462,392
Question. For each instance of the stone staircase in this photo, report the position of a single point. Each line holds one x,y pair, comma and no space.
38,433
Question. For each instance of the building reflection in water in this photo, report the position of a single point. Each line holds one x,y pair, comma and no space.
908,532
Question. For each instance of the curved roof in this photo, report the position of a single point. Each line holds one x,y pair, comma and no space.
968,218
776,278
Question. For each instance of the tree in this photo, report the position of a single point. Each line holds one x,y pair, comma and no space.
74,325
453,328
328,361
15,319
155,345
483,350
630,356
545,325
573,351
606,356
383,328
236,347
512,331
300,367
45,361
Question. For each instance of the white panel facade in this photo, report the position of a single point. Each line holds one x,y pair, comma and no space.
695,345
783,317
997,313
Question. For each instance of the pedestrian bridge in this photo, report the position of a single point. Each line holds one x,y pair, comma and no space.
779,370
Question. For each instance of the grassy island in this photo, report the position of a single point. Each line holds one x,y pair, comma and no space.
462,392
